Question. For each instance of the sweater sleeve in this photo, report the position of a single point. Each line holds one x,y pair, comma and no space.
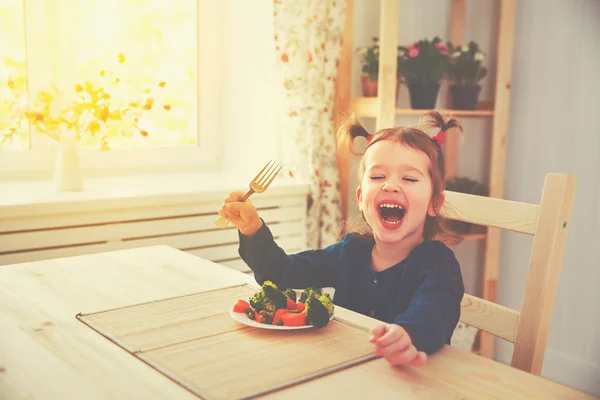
434,310
316,268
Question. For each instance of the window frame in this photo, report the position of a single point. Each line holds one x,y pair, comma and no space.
51,62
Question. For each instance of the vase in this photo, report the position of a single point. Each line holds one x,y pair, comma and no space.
369,87
423,96
67,172
464,97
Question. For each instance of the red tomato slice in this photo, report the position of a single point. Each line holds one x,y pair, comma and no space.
291,304
293,319
241,306
278,314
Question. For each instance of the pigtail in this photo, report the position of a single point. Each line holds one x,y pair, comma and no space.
434,119
347,129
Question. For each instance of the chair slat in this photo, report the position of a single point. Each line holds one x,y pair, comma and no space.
489,211
498,320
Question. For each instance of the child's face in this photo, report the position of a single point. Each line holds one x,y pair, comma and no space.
395,192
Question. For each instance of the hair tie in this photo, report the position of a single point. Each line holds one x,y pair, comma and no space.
369,137
439,137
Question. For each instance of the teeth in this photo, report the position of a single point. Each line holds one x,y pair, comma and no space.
391,206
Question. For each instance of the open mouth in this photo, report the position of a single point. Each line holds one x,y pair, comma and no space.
391,213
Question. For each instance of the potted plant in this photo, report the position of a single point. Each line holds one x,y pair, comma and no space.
465,71
93,112
422,66
463,184
369,56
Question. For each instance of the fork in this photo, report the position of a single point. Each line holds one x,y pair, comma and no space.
259,184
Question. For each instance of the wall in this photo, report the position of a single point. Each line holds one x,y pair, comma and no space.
552,129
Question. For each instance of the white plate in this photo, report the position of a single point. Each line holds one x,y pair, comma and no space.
243,318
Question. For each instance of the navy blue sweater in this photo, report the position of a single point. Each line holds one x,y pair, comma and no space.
422,293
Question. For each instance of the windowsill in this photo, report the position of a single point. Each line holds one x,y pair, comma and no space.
32,198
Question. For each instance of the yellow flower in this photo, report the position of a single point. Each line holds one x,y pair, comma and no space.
93,127
121,58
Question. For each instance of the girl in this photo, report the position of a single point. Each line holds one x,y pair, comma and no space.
397,273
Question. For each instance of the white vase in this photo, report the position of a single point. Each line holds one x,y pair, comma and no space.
67,173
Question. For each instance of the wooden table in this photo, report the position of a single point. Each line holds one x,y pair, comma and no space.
45,353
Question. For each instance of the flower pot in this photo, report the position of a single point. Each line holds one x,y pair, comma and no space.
423,96
67,174
464,97
369,87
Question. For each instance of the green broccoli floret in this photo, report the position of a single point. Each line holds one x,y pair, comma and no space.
269,284
274,296
257,300
326,300
291,294
309,292
267,316
316,312
269,298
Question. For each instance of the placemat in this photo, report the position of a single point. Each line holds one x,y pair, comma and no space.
194,341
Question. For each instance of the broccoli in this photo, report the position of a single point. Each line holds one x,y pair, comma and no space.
317,313
267,316
291,294
269,298
269,284
274,296
257,300
309,292
326,300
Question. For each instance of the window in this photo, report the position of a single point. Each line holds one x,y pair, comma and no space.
146,92
144,46
13,75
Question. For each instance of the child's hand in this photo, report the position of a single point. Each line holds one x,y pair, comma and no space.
243,215
394,344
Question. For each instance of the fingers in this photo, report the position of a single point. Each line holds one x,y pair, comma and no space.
393,334
233,196
394,344
420,359
395,347
239,209
227,214
402,357
377,331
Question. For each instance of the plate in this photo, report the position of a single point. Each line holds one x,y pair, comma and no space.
243,318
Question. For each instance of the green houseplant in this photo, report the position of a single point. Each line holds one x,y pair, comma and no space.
466,71
369,57
422,66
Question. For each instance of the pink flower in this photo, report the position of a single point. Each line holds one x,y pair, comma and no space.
413,51
442,48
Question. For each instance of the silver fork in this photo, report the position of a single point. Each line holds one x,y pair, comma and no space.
259,184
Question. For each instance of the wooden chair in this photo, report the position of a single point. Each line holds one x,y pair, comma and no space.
548,222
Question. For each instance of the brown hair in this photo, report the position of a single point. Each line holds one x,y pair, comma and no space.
349,128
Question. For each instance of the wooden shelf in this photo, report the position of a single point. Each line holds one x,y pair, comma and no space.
475,236
367,107
384,110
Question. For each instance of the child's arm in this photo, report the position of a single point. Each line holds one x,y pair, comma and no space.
431,317
268,261
434,310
